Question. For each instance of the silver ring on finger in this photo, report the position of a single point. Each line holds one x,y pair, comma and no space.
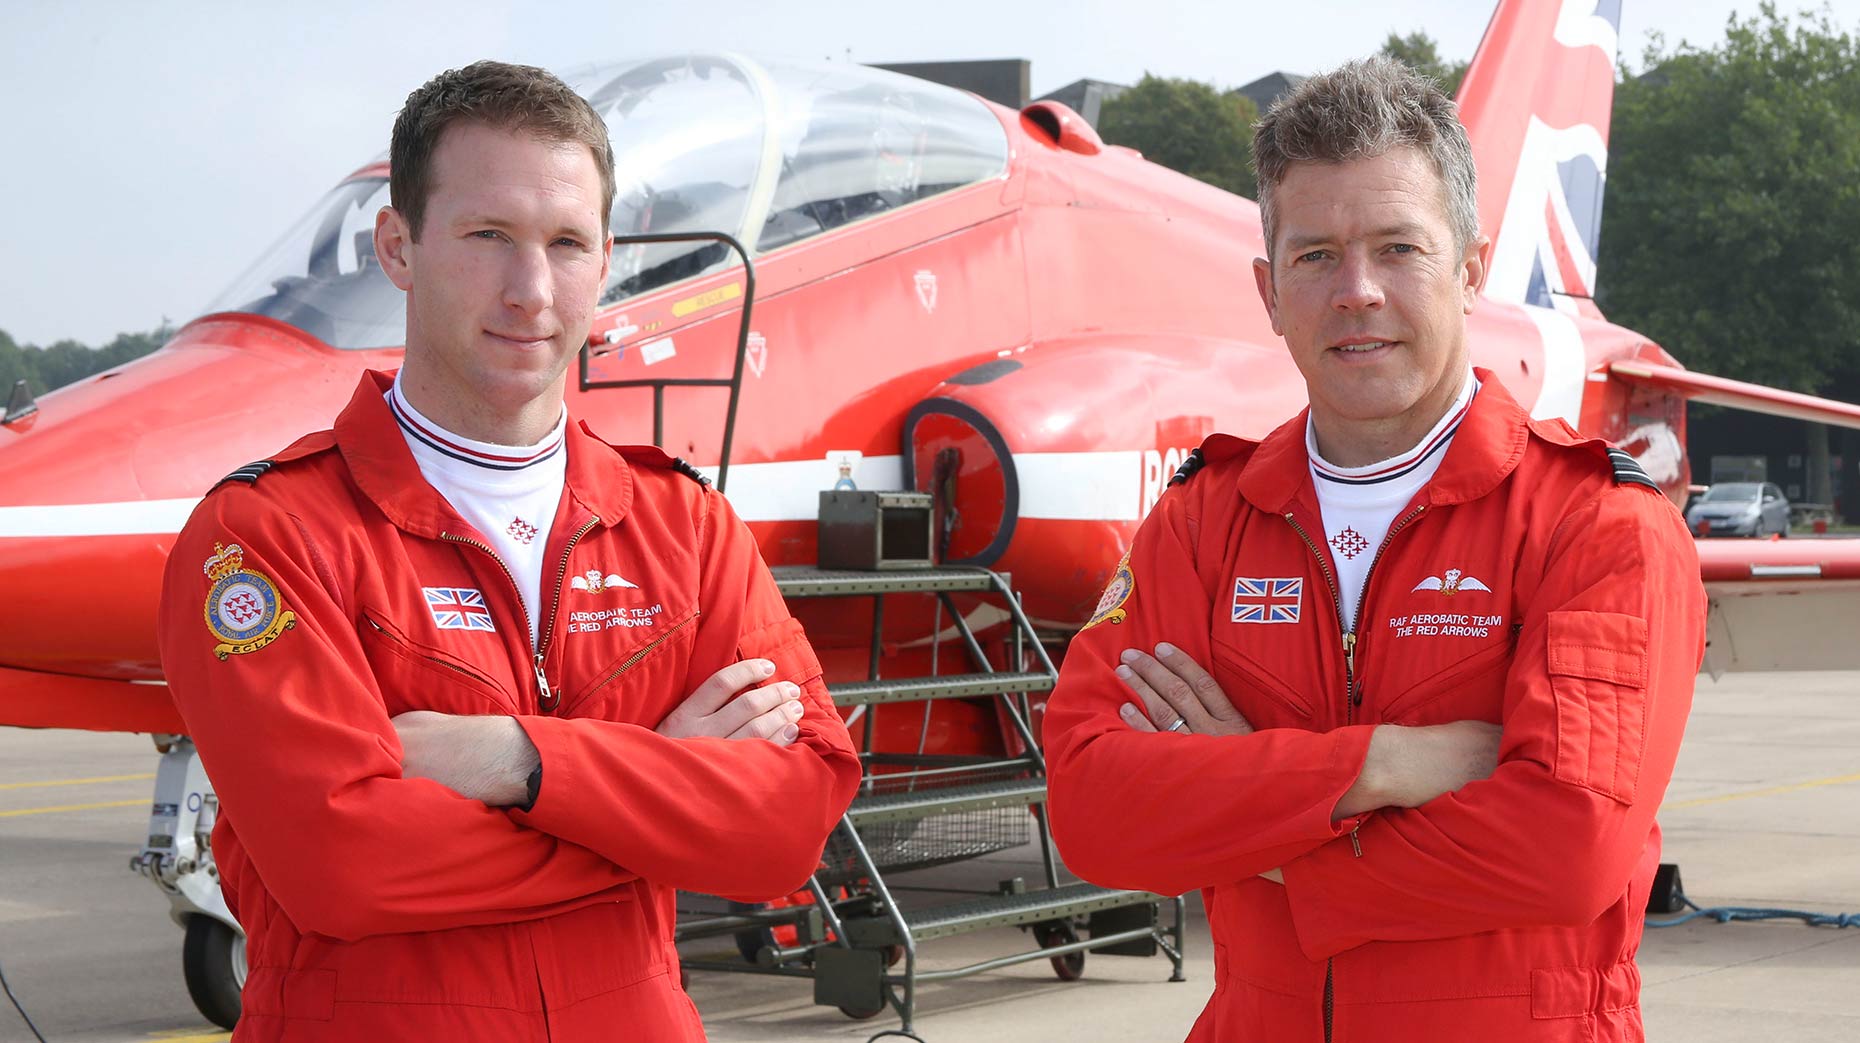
1180,725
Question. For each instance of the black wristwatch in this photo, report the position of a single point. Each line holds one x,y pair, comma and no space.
534,786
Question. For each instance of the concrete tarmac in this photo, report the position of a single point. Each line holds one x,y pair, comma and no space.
1763,811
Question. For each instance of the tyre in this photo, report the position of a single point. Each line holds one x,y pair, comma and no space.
1053,933
751,942
213,961
893,953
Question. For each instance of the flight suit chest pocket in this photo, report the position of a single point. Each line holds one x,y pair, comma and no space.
637,680
1471,688
1257,691
414,675
1598,678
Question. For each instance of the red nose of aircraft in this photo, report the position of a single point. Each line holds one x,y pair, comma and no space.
95,485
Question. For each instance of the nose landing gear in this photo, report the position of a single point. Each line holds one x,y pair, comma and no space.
178,858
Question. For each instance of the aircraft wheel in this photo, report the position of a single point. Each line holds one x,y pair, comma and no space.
752,941
213,961
1052,933
893,953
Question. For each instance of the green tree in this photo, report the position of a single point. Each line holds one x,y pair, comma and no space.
1188,127
1418,51
67,360
1734,202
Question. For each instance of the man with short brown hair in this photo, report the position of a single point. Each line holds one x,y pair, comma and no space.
497,95
1400,686
459,787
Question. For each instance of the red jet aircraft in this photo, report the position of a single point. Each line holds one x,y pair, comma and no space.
939,283
946,295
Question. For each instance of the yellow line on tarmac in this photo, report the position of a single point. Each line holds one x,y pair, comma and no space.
77,782
74,807
1769,792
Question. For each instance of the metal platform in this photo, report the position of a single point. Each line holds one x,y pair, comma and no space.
915,812
946,686
878,808
1067,901
806,581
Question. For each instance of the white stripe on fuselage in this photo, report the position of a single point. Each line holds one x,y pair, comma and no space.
789,490
1080,486
133,518
1101,486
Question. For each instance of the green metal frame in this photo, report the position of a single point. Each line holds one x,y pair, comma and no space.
876,920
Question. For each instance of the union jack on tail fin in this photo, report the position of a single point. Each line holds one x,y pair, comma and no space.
1536,103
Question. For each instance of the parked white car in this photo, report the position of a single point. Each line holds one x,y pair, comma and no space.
1739,509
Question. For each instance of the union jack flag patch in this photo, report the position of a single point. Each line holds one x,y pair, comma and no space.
1267,600
458,608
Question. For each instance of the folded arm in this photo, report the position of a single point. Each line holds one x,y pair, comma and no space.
1595,705
743,819
296,738
1170,812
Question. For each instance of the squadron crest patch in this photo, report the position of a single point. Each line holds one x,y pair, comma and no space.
1111,605
243,609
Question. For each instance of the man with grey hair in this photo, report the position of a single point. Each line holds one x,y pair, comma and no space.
1400,687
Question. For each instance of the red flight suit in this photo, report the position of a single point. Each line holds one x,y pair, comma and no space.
339,589
1529,584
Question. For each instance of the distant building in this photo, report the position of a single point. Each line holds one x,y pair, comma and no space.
1003,81
1267,89
1729,445
1085,97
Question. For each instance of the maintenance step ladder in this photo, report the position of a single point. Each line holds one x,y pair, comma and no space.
914,812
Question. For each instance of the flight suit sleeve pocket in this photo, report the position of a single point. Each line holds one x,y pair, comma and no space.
1598,679
783,643
1584,992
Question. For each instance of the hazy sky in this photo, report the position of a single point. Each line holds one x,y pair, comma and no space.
155,149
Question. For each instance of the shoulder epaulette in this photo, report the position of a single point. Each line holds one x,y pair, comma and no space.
1629,472
653,456
248,474
308,445
1213,449
684,467
1195,462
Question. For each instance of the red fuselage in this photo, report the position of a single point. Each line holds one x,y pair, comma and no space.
1114,296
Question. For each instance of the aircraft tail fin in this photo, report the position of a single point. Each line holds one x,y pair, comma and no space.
1535,102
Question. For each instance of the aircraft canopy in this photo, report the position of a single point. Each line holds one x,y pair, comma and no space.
772,153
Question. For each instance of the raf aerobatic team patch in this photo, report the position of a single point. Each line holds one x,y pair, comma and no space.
243,609
1111,605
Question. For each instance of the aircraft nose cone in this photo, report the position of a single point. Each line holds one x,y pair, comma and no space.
94,487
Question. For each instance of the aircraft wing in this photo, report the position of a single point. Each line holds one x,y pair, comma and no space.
37,699
1774,605
1755,398
1781,604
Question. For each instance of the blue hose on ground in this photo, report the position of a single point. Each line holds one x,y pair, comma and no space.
22,1011
1727,913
